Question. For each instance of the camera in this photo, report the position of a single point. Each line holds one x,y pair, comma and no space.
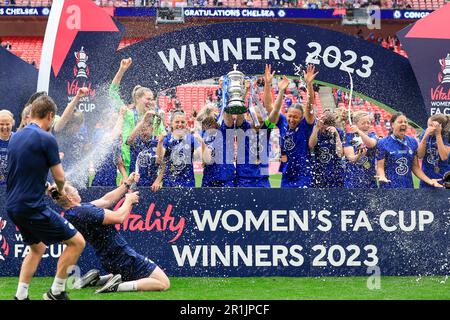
54,194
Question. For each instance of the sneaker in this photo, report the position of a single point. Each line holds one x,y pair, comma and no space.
27,298
88,280
51,296
111,285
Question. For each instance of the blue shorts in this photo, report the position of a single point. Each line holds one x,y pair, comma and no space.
261,182
131,268
45,226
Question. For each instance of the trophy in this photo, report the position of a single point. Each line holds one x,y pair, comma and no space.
82,58
445,63
235,103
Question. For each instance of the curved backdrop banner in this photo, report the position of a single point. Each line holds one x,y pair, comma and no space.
210,51
272,232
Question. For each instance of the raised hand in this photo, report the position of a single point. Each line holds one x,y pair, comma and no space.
81,92
125,64
283,84
310,73
268,74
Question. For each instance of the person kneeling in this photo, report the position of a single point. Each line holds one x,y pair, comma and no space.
129,271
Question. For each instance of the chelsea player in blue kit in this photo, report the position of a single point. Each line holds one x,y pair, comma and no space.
434,148
31,153
397,158
360,151
129,271
6,125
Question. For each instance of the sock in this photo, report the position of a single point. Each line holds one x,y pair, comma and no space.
22,291
127,286
103,280
59,285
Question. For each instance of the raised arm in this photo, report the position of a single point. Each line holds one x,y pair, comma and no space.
114,88
368,141
314,135
112,197
275,113
268,78
422,149
118,217
68,112
443,149
309,75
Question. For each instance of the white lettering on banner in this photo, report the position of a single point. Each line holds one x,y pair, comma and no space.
53,251
445,111
19,11
249,256
219,50
291,220
420,218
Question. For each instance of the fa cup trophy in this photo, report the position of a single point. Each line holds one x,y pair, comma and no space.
82,58
236,91
445,63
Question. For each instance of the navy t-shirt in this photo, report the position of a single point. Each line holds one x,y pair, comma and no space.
362,173
398,155
220,170
328,167
432,165
31,153
145,153
179,161
294,143
3,160
109,245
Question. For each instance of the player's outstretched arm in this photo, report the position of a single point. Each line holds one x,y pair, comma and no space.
117,217
68,111
111,198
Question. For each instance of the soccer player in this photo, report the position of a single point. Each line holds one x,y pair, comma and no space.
6,125
109,136
360,151
219,172
434,148
129,271
31,153
142,141
177,152
295,129
326,141
397,158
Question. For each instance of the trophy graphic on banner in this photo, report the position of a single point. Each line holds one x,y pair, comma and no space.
445,63
82,58
235,103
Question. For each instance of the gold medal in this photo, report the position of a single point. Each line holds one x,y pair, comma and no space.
437,169
366,165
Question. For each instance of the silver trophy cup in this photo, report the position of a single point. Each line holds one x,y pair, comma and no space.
236,92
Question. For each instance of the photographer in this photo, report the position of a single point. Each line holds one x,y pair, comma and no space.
97,223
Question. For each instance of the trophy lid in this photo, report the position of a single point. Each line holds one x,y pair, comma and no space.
235,72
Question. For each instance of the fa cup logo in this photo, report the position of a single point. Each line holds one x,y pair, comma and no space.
4,246
444,75
81,70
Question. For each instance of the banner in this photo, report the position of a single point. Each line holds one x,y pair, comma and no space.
24,11
427,43
272,232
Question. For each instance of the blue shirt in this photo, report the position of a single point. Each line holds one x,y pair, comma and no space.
398,156
106,172
148,169
31,153
328,167
178,159
219,170
109,245
362,173
294,144
4,160
432,161
253,154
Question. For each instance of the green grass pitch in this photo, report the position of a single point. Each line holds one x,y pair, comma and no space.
261,288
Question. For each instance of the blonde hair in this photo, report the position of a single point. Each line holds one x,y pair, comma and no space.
138,92
358,115
444,121
25,112
207,114
8,113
